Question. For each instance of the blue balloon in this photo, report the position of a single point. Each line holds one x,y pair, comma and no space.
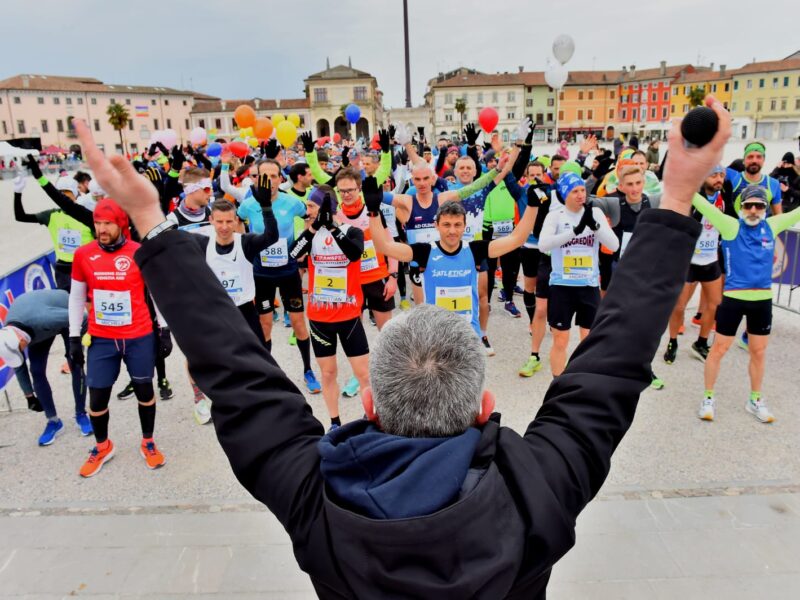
214,149
352,113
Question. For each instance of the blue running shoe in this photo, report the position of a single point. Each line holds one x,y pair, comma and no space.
84,424
743,342
332,427
512,310
50,431
518,290
311,382
501,296
286,321
351,389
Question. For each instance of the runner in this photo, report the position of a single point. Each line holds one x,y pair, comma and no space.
704,269
753,164
33,321
105,275
335,297
749,246
573,236
192,213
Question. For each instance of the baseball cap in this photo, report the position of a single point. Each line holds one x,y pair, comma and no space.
754,193
67,184
9,348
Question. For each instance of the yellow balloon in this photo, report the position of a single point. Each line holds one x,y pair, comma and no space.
213,130
286,133
294,119
252,142
246,132
277,118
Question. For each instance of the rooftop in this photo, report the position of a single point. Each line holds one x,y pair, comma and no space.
770,65
340,72
62,83
263,104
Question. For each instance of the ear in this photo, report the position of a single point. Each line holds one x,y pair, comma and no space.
368,402
487,407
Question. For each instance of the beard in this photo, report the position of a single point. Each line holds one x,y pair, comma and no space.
752,169
752,220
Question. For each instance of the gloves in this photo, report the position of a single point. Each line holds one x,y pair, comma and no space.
176,159
308,141
164,343
75,353
471,134
345,160
529,137
587,220
152,150
536,193
262,191
19,183
402,157
402,136
154,175
271,149
33,165
392,131
373,196
383,140
202,160
324,216
523,129
163,148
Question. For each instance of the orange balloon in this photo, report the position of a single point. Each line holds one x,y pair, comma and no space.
244,116
262,128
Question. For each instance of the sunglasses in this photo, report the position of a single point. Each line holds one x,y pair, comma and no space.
752,205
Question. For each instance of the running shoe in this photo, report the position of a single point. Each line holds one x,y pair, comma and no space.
351,388
706,412
311,382
530,367
202,411
672,352
657,383
405,304
333,426
682,329
518,290
65,368
51,430
127,393
700,351
84,424
743,342
489,350
512,310
165,389
286,321
372,319
34,404
501,296
696,319
758,408
152,456
97,458
292,339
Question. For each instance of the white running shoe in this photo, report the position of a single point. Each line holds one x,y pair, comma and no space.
706,412
202,411
758,408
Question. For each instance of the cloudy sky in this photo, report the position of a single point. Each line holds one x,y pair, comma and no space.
247,48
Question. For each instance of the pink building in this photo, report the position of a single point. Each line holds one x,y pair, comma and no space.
43,106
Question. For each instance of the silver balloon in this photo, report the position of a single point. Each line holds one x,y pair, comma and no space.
563,48
556,76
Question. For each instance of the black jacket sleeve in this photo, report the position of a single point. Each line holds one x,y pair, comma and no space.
262,421
589,408
254,243
22,216
421,254
440,161
351,243
170,189
80,213
518,170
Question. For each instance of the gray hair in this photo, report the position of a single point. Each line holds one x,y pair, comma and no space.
427,373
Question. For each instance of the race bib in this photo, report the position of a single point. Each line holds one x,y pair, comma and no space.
424,236
330,284
276,255
455,299
69,240
369,258
112,309
503,228
626,237
232,282
577,262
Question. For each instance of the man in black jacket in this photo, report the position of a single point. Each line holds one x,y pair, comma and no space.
499,529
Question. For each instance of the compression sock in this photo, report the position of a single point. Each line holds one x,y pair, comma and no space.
100,427
305,352
535,355
529,298
268,344
147,418
701,341
336,421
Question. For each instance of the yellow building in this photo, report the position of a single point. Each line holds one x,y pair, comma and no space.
719,83
588,102
766,100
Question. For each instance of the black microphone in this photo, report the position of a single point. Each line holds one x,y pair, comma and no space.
699,126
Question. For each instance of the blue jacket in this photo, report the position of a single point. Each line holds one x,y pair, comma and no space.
42,314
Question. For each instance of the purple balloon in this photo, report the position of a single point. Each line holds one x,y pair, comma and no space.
214,149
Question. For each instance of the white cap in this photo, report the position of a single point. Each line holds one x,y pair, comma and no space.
67,184
9,348
95,189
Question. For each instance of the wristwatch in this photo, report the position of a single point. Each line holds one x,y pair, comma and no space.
158,229
393,275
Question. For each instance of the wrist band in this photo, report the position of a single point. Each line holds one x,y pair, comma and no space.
43,181
158,229
173,173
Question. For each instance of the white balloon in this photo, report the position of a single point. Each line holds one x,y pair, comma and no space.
556,76
563,48
169,138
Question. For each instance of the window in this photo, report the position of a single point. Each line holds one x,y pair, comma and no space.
59,126
725,105
184,103
529,89
320,94
727,87
510,116
40,100
654,97
512,97
529,102
713,87
610,113
550,117
796,107
591,94
128,101
612,94
580,94
759,105
201,123
634,114
448,116
464,98
663,113
734,107
360,92
233,125
130,124
685,108
494,97
186,123
152,101
166,102
505,136
155,124
761,83
169,123
94,100
785,82
97,124
635,98
672,109
773,104
624,114
747,106
735,85
774,82
17,100
590,114
80,100
653,112
45,128
56,100
539,118
624,99
21,126
675,91
580,115
448,98
561,115
218,123
69,100
561,95
480,97
5,128
783,103
112,101
551,102
749,84
686,90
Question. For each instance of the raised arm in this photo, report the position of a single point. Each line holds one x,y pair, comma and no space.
523,229
373,197
19,210
727,226
312,159
782,222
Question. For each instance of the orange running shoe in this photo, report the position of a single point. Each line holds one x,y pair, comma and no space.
97,458
152,455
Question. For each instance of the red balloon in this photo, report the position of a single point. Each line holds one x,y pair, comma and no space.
488,119
239,149
337,138
375,144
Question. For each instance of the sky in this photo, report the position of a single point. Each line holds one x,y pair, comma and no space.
246,48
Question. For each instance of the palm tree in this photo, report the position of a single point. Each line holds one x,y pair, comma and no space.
118,117
461,108
696,96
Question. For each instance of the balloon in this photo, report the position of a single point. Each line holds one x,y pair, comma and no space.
252,142
156,137
244,115
263,128
246,132
375,143
322,141
239,149
337,138
563,48
213,131
286,133
214,149
556,76
488,119
277,119
169,138
198,136
294,119
352,113
212,137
